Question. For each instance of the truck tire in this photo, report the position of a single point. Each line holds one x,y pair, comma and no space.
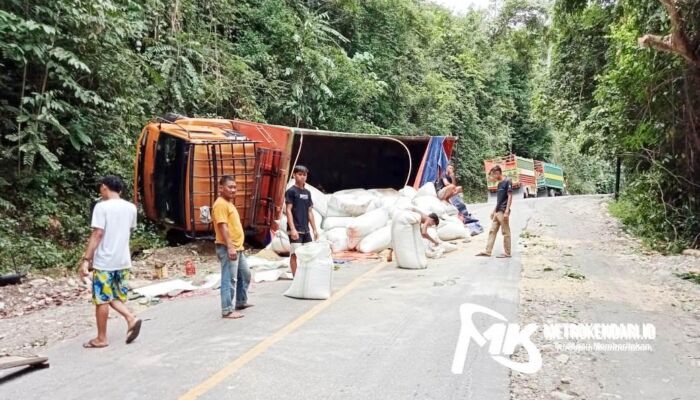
550,193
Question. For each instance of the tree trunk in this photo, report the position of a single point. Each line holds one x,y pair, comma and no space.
677,41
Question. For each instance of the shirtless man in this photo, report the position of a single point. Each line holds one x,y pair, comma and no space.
426,221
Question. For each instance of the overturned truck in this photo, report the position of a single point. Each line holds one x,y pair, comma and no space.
180,160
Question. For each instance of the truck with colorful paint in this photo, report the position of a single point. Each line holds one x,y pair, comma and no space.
520,170
550,179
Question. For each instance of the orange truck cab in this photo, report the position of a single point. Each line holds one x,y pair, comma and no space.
179,162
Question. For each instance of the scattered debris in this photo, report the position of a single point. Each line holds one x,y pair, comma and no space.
690,276
691,252
563,358
21,361
165,288
575,275
561,395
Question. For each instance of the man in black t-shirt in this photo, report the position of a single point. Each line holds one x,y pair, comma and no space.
300,216
500,216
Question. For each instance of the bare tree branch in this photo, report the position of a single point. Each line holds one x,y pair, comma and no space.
676,42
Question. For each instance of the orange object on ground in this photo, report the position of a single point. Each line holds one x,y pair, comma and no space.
354,256
190,268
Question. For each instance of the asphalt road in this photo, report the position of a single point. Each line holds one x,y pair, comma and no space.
387,333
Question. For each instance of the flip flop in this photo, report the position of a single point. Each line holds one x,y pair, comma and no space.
482,254
503,256
133,332
233,315
91,345
244,306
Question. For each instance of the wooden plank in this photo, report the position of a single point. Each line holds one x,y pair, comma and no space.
17,361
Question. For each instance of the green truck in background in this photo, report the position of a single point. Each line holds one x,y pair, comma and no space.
550,178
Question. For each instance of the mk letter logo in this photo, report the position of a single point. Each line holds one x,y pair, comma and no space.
504,337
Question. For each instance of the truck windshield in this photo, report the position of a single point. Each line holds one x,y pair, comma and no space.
169,179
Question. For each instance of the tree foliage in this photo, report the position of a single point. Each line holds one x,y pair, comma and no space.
608,97
568,84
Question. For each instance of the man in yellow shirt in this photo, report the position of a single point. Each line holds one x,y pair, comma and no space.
235,274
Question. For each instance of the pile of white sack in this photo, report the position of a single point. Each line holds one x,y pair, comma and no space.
364,220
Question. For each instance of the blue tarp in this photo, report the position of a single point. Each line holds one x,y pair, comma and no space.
436,161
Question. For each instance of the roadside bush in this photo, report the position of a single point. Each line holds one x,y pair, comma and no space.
669,225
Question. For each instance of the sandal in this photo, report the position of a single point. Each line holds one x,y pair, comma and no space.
483,254
92,345
133,332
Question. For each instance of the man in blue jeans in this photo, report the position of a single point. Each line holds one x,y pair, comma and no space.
235,274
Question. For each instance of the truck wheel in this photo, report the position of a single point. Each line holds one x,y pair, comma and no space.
550,193
526,194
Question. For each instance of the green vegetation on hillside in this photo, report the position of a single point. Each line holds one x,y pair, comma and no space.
566,82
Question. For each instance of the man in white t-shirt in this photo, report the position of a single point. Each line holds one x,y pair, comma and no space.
109,258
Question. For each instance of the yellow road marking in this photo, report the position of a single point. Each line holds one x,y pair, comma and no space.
262,346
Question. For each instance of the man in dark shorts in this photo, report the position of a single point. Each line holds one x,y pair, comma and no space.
501,213
300,216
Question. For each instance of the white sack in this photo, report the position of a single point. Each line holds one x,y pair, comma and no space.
260,263
448,247
385,192
366,224
318,219
338,239
434,252
452,229
409,192
450,209
349,204
386,202
427,190
336,222
430,204
282,222
407,241
401,204
280,243
319,200
376,241
352,192
314,275
271,275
